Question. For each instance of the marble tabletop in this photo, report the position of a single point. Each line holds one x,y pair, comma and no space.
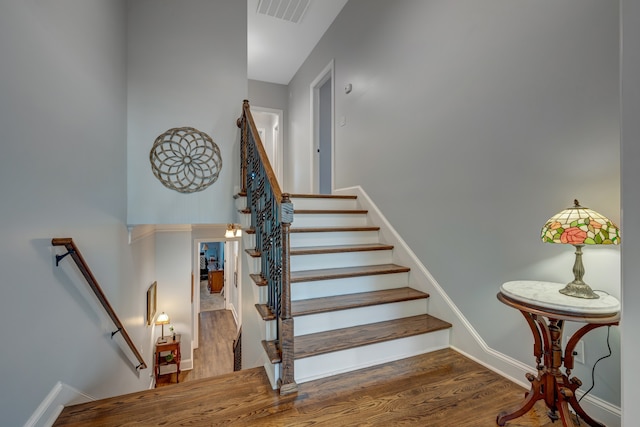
547,295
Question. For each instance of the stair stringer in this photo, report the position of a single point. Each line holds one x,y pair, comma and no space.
464,338
254,328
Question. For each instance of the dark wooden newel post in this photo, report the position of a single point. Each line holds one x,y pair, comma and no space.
287,379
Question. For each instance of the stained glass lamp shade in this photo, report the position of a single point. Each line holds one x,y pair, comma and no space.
580,226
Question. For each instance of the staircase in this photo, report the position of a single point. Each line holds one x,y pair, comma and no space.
352,306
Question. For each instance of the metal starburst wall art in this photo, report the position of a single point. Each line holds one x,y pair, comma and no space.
185,160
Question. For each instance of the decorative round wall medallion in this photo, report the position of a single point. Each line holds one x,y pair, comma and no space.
185,160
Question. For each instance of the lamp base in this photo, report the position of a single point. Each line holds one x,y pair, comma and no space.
579,290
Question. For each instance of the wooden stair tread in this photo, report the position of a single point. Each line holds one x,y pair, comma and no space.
362,299
253,253
265,312
330,211
312,250
272,348
258,280
357,336
331,229
323,196
339,273
318,211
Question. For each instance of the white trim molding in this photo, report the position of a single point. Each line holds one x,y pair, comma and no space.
464,337
61,395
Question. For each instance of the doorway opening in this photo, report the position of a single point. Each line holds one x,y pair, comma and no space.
211,283
322,114
215,279
269,122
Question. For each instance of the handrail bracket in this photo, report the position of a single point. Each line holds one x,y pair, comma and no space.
61,257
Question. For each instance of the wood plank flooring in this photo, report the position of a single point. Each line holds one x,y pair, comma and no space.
215,354
435,390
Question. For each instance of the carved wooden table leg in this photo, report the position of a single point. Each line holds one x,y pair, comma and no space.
531,398
545,309
551,385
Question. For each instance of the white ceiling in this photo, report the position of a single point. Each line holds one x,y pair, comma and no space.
277,48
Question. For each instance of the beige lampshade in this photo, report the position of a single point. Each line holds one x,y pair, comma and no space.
163,319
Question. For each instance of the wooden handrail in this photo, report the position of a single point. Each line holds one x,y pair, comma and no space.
72,250
264,159
271,218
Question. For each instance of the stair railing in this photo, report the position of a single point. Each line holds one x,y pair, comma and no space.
72,250
271,218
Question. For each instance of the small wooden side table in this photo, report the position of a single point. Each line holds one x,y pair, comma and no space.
170,348
545,309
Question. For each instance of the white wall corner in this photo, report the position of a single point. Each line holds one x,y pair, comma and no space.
61,395
469,342
139,232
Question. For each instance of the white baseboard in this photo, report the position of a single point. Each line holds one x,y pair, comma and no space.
61,395
474,345
601,410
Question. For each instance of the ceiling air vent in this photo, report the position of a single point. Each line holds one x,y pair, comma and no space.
287,10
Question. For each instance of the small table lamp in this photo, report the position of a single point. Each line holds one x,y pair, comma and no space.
163,319
580,226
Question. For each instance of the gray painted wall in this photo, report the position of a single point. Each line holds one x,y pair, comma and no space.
79,81
62,174
187,66
630,76
470,124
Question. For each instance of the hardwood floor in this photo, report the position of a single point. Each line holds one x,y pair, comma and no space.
215,355
436,390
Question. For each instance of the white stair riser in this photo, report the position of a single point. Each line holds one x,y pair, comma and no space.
305,203
245,221
248,240
339,260
313,323
329,220
240,203
349,285
302,240
258,295
325,365
254,265
271,330
262,295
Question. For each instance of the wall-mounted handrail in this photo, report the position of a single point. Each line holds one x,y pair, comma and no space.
271,218
72,250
